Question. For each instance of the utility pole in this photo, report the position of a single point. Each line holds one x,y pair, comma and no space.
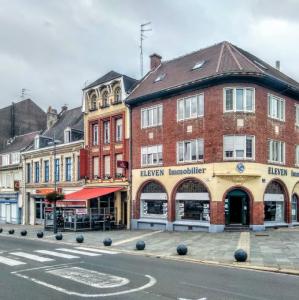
143,28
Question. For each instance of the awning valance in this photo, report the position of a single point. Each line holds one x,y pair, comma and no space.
90,193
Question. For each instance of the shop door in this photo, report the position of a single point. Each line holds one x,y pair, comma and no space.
294,208
237,208
39,211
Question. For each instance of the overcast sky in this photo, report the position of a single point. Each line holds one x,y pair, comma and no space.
53,47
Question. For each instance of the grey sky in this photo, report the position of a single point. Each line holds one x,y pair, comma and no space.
52,47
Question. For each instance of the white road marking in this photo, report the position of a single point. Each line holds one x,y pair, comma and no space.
97,250
191,299
57,254
90,277
44,267
135,238
32,256
10,262
152,282
78,252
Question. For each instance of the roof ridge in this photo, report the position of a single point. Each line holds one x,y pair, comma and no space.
244,56
190,53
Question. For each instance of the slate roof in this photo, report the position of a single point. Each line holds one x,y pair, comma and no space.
220,60
20,142
129,82
72,118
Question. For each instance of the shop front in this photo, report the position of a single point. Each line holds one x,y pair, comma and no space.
9,208
210,197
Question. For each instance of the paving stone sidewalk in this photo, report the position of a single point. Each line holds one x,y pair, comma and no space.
271,249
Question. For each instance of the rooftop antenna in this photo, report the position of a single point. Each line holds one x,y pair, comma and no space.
143,28
24,93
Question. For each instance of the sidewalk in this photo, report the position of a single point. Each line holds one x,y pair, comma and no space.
276,250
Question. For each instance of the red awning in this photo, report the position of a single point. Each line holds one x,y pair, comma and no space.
89,193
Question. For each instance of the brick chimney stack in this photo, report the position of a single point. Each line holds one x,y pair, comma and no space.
155,61
52,117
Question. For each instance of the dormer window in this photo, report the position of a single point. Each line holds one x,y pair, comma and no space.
67,135
93,102
160,77
117,95
105,99
198,65
36,142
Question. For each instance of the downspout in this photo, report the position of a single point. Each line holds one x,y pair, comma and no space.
130,166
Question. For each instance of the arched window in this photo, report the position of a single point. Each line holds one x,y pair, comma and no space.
192,201
93,102
105,99
153,201
274,204
117,95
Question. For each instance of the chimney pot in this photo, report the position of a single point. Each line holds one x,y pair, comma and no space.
277,65
155,61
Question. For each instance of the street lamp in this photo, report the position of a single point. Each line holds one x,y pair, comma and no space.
54,143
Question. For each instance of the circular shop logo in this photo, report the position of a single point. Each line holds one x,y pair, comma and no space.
240,167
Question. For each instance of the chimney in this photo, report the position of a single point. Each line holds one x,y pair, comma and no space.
52,117
277,65
155,61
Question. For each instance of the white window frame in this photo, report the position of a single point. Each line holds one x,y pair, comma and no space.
67,135
234,150
5,160
198,113
15,158
297,115
181,144
270,108
95,166
119,130
150,152
95,134
234,109
107,165
151,123
36,142
280,148
106,126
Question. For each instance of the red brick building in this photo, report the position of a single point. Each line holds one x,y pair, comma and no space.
215,143
104,161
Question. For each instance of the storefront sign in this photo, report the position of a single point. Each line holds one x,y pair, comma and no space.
122,164
277,171
81,211
294,174
160,172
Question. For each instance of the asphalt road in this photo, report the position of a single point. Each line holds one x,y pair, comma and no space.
42,270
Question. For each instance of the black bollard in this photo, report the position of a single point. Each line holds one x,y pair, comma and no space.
1,229
240,255
40,234
107,242
11,231
58,236
80,238
140,245
182,249
23,232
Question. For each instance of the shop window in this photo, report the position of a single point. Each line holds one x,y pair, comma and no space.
192,202
276,107
274,203
238,147
190,107
154,201
239,99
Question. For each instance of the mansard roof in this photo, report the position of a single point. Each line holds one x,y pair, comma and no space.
218,62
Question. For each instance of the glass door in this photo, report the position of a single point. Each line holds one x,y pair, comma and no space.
294,208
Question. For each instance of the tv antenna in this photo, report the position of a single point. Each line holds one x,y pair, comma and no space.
143,28
24,93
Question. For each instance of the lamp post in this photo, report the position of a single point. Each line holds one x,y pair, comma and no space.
54,143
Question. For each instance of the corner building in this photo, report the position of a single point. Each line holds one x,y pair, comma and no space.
215,137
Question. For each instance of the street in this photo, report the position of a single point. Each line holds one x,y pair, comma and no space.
44,270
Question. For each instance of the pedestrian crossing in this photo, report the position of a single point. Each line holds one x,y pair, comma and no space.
18,258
